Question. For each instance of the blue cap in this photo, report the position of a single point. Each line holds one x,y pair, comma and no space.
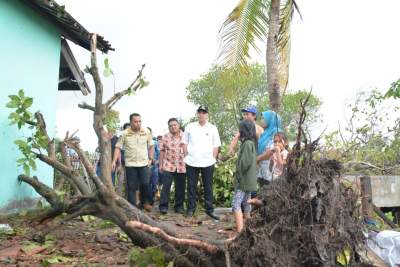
251,109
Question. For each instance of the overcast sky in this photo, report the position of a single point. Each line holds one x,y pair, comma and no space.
339,48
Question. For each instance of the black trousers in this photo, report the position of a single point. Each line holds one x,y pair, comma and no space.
192,174
138,178
180,182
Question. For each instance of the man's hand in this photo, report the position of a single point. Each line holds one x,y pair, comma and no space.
150,163
113,166
160,170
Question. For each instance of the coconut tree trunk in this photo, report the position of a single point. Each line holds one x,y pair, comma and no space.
272,57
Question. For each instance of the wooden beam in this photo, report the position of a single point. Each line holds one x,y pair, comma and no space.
74,67
366,197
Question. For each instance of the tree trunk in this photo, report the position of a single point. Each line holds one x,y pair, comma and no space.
272,57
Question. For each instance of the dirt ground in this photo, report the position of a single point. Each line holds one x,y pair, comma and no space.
89,241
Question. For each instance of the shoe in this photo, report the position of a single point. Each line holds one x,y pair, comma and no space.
163,211
189,213
212,215
147,207
180,211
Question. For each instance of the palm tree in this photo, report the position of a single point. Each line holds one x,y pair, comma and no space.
253,20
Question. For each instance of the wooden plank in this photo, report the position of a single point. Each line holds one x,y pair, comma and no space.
74,67
366,196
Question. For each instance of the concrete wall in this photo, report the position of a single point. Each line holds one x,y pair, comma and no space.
29,60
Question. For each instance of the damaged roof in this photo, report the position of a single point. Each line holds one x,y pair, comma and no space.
70,28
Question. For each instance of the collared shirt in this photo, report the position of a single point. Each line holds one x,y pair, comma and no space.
173,153
135,145
201,141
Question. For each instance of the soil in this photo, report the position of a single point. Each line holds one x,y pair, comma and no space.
88,241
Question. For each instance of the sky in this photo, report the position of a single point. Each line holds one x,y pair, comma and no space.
339,48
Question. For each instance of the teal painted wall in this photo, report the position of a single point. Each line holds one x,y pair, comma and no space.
29,60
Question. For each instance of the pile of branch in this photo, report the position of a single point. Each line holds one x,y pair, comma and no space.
308,217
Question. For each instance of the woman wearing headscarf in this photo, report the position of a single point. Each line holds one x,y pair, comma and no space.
272,124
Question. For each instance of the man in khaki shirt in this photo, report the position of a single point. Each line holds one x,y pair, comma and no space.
139,151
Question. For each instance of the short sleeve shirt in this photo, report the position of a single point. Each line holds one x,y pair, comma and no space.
136,146
201,141
173,157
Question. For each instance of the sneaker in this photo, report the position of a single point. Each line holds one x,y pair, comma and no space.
189,213
163,211
212,215
180,211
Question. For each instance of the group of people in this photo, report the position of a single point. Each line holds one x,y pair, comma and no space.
261,158
181,156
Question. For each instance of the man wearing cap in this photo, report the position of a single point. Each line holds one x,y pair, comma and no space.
200,144
249,113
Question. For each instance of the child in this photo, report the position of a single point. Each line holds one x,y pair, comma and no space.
246,172
277,155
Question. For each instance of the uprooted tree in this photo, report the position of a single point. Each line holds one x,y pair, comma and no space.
313,219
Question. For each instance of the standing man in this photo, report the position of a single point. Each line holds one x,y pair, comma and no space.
172,166
249,113
201,143
139,152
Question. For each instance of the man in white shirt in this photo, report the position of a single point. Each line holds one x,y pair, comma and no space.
200,143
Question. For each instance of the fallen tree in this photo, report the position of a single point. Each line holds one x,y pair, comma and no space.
102,201
307,219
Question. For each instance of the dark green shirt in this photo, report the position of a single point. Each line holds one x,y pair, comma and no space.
246,170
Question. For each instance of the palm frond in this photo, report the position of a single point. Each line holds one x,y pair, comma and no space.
246,24
284,41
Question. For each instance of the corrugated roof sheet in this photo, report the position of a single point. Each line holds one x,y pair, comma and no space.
70,28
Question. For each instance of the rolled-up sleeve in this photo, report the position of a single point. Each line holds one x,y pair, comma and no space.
216,139
186,134
150,140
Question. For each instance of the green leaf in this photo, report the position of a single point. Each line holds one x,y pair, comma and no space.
32,163
28,102
107,70
14,98
13,116
21,143
12,104
21,94
26,169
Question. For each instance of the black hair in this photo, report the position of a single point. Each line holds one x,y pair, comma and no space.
126,126
247,131
173,119
133,115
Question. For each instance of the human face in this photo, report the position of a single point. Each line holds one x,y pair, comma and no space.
136,123
173,127
202,116
278,141
249,116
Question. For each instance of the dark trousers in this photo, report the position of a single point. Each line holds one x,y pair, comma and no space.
180,182
138,178
192,174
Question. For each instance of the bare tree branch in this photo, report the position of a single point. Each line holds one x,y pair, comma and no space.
177,241
85,105
41,126
131,88
87,164
69,173
48,193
